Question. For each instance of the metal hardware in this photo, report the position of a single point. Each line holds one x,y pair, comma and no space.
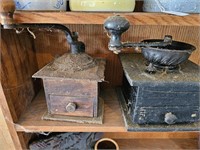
7,9
170,118
160,53
116,25
71,107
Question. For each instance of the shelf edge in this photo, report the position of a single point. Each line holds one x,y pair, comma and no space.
99,18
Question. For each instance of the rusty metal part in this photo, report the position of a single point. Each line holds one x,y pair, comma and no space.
167,57
71,37
116,26
161,43
7,9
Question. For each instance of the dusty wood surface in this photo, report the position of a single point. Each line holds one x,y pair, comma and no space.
18,63
58,104
95,72
91,120
113,121
112,118
60,92
134,127
188,73
98,18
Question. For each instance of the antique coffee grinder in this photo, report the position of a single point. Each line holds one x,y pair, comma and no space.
71,86
161,89
70,81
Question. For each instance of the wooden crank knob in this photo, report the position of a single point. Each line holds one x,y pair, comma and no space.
7,8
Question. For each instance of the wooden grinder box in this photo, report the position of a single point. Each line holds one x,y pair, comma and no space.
161,98
71,93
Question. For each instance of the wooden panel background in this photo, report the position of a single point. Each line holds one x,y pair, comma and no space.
18,63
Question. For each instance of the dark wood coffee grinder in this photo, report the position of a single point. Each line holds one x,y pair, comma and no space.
161,89
70,81
71,86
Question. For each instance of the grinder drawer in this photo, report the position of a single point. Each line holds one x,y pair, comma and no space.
167,115
71,106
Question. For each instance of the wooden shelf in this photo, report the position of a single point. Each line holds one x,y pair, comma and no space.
99,18
151,144
31,120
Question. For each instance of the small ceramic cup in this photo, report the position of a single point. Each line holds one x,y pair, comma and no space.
106,143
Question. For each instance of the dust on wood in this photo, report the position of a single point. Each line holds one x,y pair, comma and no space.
79,66
90,120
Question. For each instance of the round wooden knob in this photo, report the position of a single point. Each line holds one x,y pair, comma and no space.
71,107
7,8
170,118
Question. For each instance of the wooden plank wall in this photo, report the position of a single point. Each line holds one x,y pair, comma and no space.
18,63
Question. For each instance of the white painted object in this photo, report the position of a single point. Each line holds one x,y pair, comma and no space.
41,5
102,5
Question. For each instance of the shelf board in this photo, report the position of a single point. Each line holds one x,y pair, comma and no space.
170,144
31,120
136,18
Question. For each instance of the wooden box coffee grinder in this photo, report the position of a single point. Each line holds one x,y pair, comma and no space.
71,85
161,86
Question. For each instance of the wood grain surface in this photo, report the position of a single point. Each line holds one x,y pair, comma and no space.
136,18
158,144
33,123
7,125
18,63
151,135
6,141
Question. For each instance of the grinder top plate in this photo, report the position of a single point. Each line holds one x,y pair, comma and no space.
64,68
134,66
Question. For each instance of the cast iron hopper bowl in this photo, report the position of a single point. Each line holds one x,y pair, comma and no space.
166,57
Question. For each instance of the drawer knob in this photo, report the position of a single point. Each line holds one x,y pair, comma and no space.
170,118
71,107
